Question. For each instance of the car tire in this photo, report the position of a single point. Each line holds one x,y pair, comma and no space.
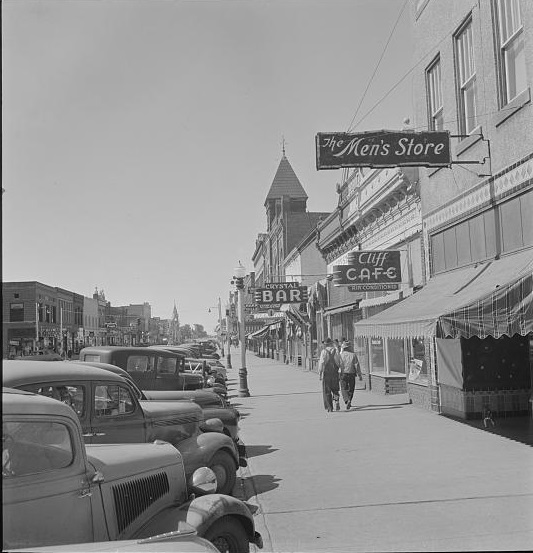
228,535
223,466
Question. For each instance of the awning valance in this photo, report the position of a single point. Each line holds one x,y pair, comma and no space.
341,309
498,290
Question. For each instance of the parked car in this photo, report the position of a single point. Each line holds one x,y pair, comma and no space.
57,490
213,405
110,412
151,368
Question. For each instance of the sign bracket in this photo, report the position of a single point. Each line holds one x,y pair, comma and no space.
475,162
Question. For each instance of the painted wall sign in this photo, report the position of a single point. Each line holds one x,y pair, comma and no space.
383,149
282,295
370,270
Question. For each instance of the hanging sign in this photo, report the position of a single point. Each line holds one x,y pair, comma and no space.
292,292
370,270
383,149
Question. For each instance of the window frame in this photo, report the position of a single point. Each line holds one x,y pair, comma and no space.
432,84
464,47
503,45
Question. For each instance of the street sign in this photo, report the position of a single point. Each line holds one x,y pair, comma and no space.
383,149
370,270
280,285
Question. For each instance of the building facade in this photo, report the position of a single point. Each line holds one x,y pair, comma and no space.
472,321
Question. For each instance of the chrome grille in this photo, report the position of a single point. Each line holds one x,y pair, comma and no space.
134,497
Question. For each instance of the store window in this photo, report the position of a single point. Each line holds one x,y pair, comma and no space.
466,78
512,61
377,355
418,364
396,355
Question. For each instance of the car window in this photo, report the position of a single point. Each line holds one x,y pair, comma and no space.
140,363
111,400
32,447
95,358
71,394
166,365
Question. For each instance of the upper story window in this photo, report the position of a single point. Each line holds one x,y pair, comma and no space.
513,79
434,92
16,312
466,78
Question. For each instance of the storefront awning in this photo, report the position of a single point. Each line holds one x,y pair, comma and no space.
261,333
341,309
492,298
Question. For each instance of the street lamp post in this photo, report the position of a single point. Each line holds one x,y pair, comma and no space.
228,338
240,273
219,333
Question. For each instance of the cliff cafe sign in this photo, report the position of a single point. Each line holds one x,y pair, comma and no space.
383,149
370,270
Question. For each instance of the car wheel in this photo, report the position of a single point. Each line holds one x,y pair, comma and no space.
228,535
224,468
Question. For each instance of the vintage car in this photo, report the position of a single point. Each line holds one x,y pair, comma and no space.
110,412
151,368
213,405
57,490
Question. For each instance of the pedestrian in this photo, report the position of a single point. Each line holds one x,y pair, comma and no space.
337,345
349,369
328,371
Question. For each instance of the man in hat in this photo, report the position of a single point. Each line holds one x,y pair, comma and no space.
349,369
328,370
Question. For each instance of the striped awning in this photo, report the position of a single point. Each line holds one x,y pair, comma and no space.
489,299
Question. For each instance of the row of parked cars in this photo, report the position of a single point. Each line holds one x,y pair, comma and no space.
126,443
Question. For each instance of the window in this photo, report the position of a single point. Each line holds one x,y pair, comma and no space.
73,395
434,91
16,312
34,447
466,78
166,365
511,49
111,400
418,369
140,363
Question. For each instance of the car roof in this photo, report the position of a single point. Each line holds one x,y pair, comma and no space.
19,372
107,366
132,349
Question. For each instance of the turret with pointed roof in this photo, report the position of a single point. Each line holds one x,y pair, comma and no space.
286,183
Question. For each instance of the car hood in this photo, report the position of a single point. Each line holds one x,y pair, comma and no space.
163,413
118,461
202,398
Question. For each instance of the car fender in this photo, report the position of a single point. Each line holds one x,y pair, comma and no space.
199,450
201,513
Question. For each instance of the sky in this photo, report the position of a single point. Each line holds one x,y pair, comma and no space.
140,137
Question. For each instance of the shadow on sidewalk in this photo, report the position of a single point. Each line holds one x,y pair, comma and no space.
256,450
378,407
258,484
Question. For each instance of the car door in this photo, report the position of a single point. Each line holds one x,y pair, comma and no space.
45,491
141,367
116,416
167,373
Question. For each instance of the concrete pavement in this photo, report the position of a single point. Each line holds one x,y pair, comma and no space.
386,476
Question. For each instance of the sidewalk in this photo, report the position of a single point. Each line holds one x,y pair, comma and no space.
386,476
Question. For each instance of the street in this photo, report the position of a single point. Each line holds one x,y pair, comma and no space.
387,476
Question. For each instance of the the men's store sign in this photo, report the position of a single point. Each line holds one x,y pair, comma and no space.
280,292
383,149
370,270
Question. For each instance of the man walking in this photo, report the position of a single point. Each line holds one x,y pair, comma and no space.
328,371
349,368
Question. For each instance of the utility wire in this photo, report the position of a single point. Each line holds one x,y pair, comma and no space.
377,66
